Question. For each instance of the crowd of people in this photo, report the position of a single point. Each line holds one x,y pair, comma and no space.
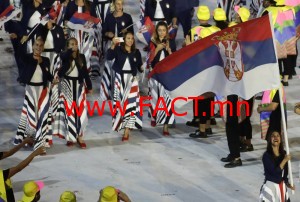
56,65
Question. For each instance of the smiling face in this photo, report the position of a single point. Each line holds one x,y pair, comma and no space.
275,139
72,43
129,40
38,47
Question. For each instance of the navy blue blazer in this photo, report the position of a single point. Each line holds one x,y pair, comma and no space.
273,172
30,65
168,7
135,59
122,22
83,73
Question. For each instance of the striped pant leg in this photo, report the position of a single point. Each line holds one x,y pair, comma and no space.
42,109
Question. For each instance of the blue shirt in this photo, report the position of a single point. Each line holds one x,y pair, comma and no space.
272,169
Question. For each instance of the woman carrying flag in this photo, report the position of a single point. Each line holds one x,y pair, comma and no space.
74,81
276,171
127,62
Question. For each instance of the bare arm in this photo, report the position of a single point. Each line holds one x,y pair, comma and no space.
123,197
25,162
12,151
271,107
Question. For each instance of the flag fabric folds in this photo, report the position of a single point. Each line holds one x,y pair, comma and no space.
83,21
146,29
238,60
9,13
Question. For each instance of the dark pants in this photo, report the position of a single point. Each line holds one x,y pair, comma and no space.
204,110
232,128
185,19
245,126
287,65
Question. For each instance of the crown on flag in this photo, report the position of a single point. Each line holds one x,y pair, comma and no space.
231,35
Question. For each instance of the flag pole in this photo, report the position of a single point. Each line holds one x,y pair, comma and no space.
285,136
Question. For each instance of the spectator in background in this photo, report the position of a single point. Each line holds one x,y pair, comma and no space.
111,194
32,191
67,196
6,190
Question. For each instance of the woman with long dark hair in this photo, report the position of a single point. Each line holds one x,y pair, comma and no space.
75,80
276,171
160,48
127,62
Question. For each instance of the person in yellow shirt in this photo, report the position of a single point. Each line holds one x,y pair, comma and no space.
6,191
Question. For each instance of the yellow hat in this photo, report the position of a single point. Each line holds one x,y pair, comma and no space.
280,2
205,32
109,194
30,189
214,29
244,13
231,24
67,196
219,14
203,13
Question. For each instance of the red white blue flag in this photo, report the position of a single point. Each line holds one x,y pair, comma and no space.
239,60
9,13
83,21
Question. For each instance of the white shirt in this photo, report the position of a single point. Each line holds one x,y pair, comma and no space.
74,72
49,43
38,75
162,55
126,66
158,11
79,9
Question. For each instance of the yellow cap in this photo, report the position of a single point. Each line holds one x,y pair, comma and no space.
30,189
109,194
203,13
231,24
214,29
205,32
67,196
244,13
219,14
280,2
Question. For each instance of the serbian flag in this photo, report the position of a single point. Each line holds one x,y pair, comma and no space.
83,21
9,13
239,60
145,31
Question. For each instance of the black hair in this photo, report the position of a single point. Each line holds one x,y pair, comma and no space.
269,145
